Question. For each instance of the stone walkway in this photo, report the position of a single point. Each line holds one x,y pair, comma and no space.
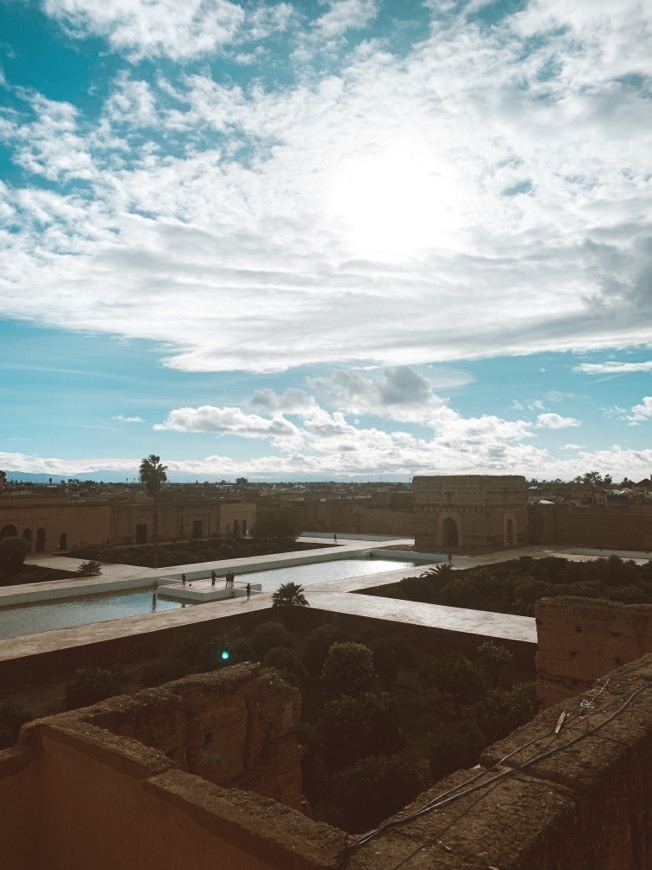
336,596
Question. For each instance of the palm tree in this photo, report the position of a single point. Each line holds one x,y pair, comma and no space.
288,597
153,476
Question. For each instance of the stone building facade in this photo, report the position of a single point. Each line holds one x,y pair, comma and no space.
52,524
470,512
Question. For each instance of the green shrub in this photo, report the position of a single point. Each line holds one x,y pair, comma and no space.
222,651
455,747
284,659
317,645
12,554
89,569
392,654
269,635
90,685
499,713
353,728
373,789
348,669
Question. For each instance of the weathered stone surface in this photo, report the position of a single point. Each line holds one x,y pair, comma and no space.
582,639
470,511
231,727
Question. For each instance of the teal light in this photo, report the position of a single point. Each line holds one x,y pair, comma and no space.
225,655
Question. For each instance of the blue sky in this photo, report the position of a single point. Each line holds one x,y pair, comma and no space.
352,239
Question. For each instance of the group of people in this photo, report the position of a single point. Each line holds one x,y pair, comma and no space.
230,581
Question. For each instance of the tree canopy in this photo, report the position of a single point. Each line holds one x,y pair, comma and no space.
153,474
281,525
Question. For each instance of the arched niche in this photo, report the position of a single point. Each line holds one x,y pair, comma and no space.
450,533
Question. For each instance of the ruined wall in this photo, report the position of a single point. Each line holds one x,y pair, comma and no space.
470,512
235,727
82,790
77,795
617,527
581,639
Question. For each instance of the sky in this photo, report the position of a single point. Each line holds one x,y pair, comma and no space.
328,239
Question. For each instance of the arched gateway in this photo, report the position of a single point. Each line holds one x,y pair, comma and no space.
470,512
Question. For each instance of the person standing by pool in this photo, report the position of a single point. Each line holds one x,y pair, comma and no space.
183,581
213,577
248,591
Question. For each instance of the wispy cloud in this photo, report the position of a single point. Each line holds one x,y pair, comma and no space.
613,368
555,421
641,413
144,29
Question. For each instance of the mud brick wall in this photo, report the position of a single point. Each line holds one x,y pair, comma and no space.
236,727
581,639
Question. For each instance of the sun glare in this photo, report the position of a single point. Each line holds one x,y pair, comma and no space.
392,201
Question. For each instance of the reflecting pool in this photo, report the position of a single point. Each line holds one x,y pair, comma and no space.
321,572
67,612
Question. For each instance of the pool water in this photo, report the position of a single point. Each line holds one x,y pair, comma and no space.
68,612
320,572
32,618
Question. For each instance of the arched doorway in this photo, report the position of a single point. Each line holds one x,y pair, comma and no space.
509,533
27,537
449,533
40,541
63,541
8,531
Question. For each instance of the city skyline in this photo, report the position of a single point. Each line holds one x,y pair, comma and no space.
326,240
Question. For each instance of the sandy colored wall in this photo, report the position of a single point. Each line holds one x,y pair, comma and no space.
357,516
479,505
541,800
617,527
82,523
581,639
83,791
20,802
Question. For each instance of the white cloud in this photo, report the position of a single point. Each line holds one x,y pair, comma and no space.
555,421
227,421
292,401
121,419
372,216
145,29
398,393
613,367
641,413
346,15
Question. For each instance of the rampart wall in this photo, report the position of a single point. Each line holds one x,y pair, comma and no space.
615,527
551,796
581,639
140,782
